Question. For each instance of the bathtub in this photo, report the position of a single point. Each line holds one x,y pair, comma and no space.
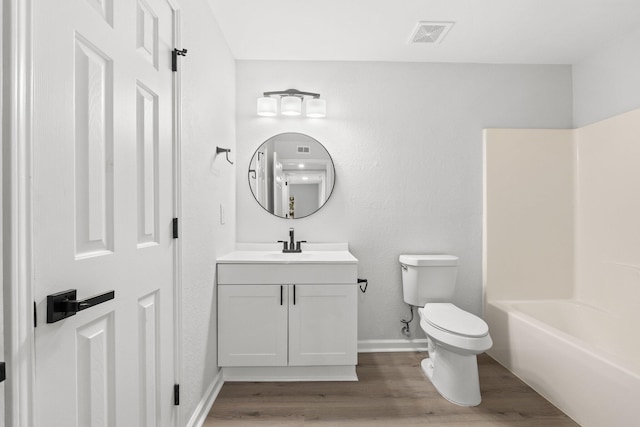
584,360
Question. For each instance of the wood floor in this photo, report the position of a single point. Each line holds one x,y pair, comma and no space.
392,391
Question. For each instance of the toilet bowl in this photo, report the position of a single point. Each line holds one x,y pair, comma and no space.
454,336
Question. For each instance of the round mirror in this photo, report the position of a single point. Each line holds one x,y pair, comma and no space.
291,175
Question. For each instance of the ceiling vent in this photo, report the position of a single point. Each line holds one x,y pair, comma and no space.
430,32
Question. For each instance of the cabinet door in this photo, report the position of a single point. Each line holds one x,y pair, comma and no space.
252,325
323,324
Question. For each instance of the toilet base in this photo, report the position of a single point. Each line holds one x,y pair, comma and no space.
454,376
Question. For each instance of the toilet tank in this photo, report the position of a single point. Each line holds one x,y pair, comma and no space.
428,278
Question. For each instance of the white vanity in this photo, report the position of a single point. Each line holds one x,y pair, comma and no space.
288,316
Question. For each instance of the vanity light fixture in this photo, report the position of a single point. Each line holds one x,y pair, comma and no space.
291,103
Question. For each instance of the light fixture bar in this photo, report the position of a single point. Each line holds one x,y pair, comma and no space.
292,92
291,103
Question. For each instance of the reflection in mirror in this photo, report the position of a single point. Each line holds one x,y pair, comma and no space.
291,175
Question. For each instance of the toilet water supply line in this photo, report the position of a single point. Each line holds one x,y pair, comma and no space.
405,329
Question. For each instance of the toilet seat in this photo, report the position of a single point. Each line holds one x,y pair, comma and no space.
451,319
456,341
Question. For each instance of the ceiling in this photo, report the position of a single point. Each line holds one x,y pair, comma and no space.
485,31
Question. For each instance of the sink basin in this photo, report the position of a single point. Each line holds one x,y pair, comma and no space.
288,256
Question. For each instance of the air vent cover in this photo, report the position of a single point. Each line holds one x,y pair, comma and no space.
430,32
303,149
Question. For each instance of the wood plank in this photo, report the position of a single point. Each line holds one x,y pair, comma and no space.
392,391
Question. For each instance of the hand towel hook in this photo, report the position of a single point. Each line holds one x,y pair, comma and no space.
224,150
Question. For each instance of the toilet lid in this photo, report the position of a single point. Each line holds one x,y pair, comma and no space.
429,260
449,318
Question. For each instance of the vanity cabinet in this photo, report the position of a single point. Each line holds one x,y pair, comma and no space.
287,320
287,325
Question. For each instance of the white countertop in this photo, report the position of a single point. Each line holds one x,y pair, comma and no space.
271,253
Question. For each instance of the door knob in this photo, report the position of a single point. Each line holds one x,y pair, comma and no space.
64,304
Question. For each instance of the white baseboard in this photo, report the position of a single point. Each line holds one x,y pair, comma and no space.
381,346
202,410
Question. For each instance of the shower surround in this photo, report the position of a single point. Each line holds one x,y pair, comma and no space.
562,263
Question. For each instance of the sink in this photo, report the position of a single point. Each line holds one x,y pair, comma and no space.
267,253
292,256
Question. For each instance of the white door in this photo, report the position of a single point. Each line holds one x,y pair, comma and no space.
323,325
252,325
2,359
102,210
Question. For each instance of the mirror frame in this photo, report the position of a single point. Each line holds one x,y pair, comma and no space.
250,171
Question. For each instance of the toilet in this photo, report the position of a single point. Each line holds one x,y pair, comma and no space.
454,336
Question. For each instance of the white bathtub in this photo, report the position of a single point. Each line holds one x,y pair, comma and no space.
586,361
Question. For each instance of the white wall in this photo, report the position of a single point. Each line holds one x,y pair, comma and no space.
208,105
607,82
406,139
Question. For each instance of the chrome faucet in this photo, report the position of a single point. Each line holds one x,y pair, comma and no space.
292,245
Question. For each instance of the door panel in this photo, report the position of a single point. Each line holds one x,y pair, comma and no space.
148,363
147,165
323,325
93,179
96,372
103,207
104,8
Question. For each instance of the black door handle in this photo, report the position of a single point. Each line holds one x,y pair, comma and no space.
3,372
64,304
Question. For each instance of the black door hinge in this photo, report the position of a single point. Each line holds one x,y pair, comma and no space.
175,228
176,394
174,58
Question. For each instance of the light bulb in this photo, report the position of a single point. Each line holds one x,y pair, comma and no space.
290,105
267,106
316,107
